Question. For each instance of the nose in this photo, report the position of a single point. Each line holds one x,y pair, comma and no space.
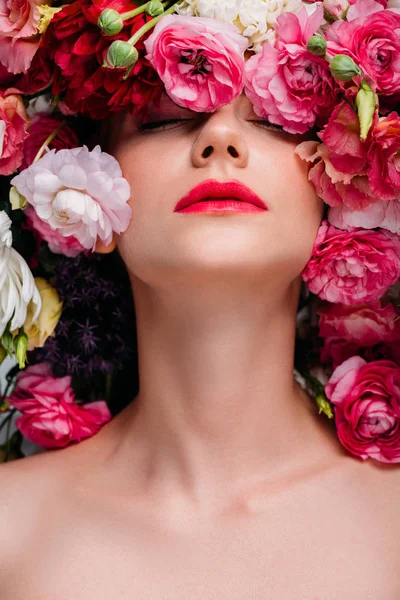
220,139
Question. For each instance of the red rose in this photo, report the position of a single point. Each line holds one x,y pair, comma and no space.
36,79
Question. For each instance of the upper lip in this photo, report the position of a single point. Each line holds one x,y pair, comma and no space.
211,188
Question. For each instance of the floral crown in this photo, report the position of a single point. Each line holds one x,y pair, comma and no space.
329,66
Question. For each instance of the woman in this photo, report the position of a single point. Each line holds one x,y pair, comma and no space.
219,480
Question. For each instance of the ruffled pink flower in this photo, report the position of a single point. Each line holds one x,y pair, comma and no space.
13,131
200,61
40,127
19,41
288,85
79,193
374,44
367,408
384,157
384,214
50,416
59,244
347,329
352,267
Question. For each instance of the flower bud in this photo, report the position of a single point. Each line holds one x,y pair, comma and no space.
317,45
20,345
366,105
324,406
344,68
110,21
17,200
335,9
121,55
3,353
154,8
7,339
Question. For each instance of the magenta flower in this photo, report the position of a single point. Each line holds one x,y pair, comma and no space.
50,417
287,84
352,267
200,61
367,408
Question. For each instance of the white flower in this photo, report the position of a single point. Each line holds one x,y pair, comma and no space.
40,104
17,285
255,19
79,193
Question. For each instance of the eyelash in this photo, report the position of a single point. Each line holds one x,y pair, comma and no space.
163,125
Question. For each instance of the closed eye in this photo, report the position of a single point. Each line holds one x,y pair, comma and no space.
162,125
267,125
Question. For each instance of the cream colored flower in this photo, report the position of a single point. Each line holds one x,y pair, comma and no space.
48,318
255,19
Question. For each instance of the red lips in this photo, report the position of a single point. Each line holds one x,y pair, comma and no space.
213,189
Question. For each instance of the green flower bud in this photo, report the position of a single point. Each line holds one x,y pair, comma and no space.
324,406
3,353
110,21
7,340
154,8
121,55
366,105
317,45
20,345
344,68
17,200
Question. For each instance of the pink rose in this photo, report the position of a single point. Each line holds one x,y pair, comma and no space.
59,244
352,267
13,126
40,127
287,84
50,417
336,188
374,44
19,41
348,329
200,61
384,157
367,408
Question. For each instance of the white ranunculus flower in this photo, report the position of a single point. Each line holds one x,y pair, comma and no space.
255,19
17,285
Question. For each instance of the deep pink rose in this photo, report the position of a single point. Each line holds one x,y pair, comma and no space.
40,127
367,408
13,125
374,44
347,329
352,267
50,417
288,85
18,33
200,61
59,244
335,187
384,157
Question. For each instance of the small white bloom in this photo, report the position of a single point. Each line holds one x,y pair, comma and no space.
40,104
79,193
17,285
254,19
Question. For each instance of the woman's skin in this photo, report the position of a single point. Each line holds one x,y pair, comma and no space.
220,480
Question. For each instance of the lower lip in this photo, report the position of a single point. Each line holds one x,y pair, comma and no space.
228,206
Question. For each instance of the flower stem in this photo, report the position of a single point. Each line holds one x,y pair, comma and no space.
47,142
140,32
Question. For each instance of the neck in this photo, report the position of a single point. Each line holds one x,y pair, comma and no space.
218,406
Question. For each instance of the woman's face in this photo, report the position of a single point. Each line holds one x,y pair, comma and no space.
164,160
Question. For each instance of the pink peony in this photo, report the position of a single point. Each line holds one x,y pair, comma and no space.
200,61
336,188
348,329
288,85
40,127
374,44
13,126
367,408
380,213
79,193
352,267
384,157
19,39
59,244
50,417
